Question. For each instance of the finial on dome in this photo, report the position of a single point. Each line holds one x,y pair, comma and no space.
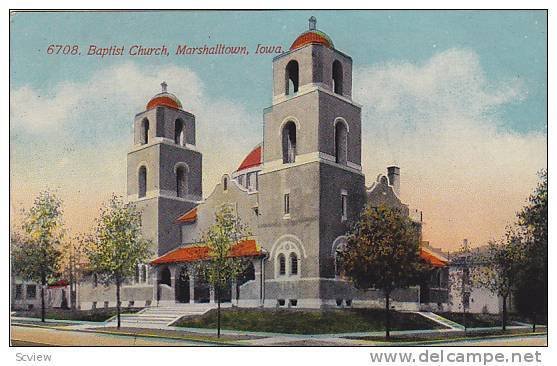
164,85
312,23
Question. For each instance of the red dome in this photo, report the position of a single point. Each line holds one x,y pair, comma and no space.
164,99
312,37
252,159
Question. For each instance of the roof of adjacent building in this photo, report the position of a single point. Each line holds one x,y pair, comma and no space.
254,158
432,257
189,216
198,252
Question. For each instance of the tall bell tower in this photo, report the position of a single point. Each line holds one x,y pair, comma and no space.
164,168
311,184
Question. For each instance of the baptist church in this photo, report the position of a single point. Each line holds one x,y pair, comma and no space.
297,191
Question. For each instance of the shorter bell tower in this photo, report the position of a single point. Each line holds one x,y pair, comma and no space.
164,168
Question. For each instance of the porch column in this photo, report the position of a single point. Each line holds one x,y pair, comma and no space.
192,284
155,280
233,291
258,272
212,295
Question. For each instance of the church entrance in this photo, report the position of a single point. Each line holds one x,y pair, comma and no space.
201,290
183,286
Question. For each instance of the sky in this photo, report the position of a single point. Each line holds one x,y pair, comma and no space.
457,99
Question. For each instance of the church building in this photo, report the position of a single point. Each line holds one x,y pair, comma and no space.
296,191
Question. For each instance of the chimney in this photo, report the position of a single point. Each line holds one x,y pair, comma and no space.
393,173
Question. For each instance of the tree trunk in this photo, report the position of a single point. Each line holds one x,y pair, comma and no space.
118,301
465,319
387,315
504,313
43,307
218,310
72,289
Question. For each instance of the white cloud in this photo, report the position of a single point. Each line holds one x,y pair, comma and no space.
75,138
438,121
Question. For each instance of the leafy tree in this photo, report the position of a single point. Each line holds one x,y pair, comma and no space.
35,253
117,246
72,263
221,268
382,252
499,267
533,281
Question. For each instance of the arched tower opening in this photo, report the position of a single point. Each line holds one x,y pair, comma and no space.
292,77
337,77
341,142
142,181
289,142
144,133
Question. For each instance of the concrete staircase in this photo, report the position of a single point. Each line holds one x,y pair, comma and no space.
440,320
161,316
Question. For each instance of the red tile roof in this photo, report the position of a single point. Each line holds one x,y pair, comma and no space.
192,253
432,259
189,216
252,159
167,100
312,37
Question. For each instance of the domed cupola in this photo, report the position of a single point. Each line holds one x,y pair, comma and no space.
165,99
312,36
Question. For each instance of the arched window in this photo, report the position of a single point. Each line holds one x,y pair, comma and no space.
181,182
142,181
289,142
341,142
282,264
225,184
164,277
292,78
144,138
293,264
179,133
337,77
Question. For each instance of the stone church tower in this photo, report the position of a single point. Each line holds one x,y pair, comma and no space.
311,184
164,168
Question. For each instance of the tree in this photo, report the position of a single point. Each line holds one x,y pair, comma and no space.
220,268
383,252
72,261
117,246
35,253
533,280
499,267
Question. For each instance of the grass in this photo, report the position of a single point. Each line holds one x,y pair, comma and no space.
483,320
97,315
307,321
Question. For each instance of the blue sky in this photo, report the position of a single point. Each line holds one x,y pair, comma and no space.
456,98
509,44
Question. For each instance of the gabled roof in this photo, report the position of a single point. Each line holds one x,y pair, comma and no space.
433,258
197,252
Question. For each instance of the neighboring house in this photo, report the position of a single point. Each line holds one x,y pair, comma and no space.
474,298
26,295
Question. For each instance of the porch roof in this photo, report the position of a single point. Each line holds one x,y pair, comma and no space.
197,252
432,258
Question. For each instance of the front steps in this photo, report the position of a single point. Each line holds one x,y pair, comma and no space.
163,315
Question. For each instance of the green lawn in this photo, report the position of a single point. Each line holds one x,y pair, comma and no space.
483,320
307,321
97,315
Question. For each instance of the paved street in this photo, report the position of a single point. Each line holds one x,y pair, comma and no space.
510,341
54,337
35,336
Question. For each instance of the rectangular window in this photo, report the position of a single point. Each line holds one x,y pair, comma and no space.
31,291
287,203
344,206
18,292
